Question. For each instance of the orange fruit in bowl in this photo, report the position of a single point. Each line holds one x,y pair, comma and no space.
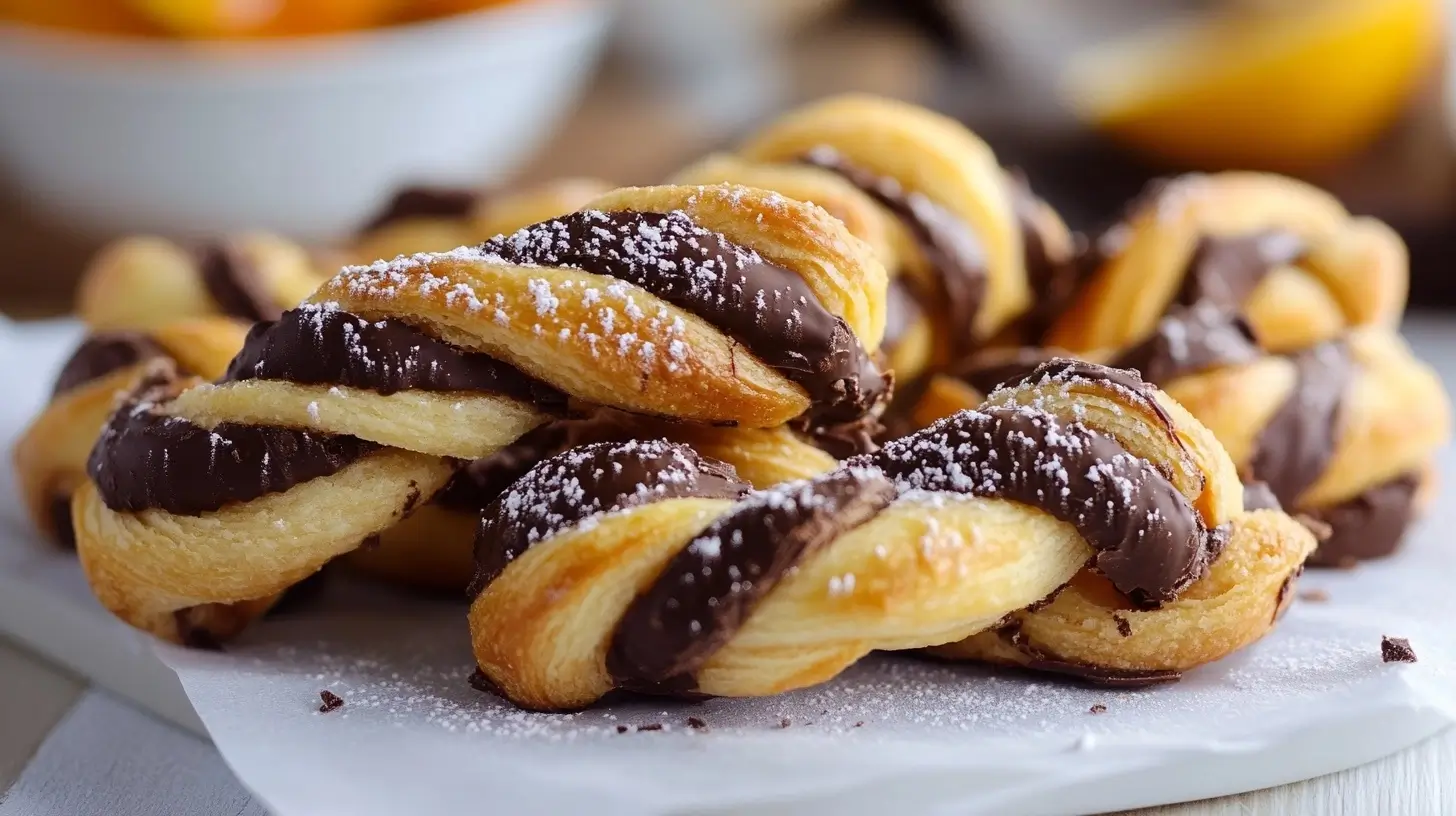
262,18
93,16
1288,85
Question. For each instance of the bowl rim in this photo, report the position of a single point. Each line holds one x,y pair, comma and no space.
70,45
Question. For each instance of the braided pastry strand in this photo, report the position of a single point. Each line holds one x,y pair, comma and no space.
50,456
144,282
361,404
964,241
644,566
1284,253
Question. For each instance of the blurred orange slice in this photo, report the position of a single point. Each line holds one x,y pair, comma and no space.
1271,86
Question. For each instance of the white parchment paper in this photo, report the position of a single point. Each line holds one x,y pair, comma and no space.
894,732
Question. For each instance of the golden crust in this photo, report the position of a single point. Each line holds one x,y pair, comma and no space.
1235,604
652,357
145,567
143,282
1354,272
927,153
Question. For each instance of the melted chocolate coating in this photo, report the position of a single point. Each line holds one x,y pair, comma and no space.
1293,450
987,370
1368,526
1190,339
425,202
1062,369
318,345
587,481
1085,672
767,308
102,354
710,588
145,460
1225,270
1258,496
949,245
235,283
1150,542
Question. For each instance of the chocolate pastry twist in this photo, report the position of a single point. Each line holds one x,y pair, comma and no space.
142,282
965,242
1284,254
50,457
721,304
437,219
645,566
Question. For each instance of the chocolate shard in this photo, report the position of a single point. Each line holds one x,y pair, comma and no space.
767,308
422,201
947,242
145,459
587,481
710,588
1396,650
102,354
324,345
1150,542
235,283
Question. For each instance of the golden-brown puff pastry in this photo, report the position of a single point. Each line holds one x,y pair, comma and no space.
1343,433
142,282
1284,253
968,242
646,566
720,303
50,457
436,219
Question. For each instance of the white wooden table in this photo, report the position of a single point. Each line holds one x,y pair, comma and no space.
79,753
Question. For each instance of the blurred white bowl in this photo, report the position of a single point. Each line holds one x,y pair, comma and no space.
305,136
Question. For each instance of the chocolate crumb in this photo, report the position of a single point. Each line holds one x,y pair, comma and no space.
1123,627
859,724
694,722
1314,595
1097,709
621,729
332,701
784,723
1396,650
650,727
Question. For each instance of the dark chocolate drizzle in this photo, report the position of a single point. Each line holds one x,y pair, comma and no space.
1101,676
145,459
1150,542
425,202
949,245
1190,339
235,283
1225,270
1370,525
102,354
1293,450
767,308
321,345
710,588
587,481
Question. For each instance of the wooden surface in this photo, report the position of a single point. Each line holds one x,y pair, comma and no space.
97,756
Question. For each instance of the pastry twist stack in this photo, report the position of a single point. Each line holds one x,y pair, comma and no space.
1279,338
142,282
50,456
718,304
965,242
645,566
